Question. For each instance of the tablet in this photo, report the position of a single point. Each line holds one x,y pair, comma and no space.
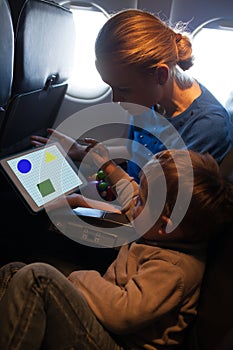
42,174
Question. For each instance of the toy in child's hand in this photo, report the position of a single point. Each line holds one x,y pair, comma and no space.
100,175
103,187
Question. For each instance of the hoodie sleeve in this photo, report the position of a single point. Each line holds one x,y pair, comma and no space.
125,188
153,291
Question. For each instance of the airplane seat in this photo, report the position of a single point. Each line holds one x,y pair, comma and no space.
44,47
226,166
16,7
213,327
6,56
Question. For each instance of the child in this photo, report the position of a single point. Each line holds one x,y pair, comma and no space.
149,294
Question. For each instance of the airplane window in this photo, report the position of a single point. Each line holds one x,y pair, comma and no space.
213,65
85,83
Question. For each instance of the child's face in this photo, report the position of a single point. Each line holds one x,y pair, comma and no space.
146,216
139,203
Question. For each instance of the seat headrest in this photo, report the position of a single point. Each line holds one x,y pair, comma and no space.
44,45
6,52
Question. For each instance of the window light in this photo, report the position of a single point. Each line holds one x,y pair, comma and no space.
213,52
85,83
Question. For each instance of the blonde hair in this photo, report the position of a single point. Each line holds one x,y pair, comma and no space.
136,37
211,204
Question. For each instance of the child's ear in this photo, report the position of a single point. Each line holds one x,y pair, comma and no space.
162,72
165,222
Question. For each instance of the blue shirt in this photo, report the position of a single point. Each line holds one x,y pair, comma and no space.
205,126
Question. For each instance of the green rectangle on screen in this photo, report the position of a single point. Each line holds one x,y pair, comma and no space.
46,187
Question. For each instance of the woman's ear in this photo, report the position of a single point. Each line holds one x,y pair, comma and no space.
162,72
165,222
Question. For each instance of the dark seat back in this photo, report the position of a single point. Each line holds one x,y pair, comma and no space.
213,327
214,320
6,56
44,44
226,165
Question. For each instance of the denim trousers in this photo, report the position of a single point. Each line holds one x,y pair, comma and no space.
41,309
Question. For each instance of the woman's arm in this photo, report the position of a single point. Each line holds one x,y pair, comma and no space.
75,150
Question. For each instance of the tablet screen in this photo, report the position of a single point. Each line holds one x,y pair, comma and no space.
42,174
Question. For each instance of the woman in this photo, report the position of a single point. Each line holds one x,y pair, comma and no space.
144,61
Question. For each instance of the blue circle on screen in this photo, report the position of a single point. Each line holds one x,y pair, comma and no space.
24,166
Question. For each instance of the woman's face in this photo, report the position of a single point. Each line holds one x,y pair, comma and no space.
129,84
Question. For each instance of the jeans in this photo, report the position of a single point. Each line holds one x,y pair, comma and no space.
41,309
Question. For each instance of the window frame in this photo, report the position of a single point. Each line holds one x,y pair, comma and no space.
89,6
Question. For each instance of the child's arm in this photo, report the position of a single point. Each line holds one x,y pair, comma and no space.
77,200
141,301
124,187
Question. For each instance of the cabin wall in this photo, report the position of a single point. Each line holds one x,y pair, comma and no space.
159,7
199,11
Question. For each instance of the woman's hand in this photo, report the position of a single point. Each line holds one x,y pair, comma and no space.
74,150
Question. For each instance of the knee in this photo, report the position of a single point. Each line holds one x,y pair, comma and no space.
33,279
39,269
13,266
38,273
8,271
